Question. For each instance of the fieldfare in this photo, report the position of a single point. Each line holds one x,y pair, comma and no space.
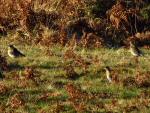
111,75
108,75
14,53
134,50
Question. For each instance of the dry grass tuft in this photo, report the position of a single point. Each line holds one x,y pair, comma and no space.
30,73
119,15
3,89
76,97
129,82
70,72
143,79
16,100
30,77
90,40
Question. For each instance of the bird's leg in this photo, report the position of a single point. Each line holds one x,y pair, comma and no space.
136,60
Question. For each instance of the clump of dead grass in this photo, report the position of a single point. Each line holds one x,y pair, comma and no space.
29,77
76,97
16,100
143,79
70,72
3,88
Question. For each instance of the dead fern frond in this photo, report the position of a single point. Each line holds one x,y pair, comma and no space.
129,82
143,79
118,14
74,92
30,77
78,60
70,72
76,97
90,40
29,73
3,88
16,101
69,54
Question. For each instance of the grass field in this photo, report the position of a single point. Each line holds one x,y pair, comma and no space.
42,81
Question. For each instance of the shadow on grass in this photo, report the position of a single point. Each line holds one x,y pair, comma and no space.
15,66
50,65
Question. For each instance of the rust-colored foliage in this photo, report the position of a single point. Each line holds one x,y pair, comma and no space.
63,37
79,99
69,54
49,52
16,100
29,15
140,80
145,94
119,15
141,39
30,73
143,79
3,89
30,77
73,91
47,19
78,60
70,72
2,108
76,97
71,8
90,40
81,62
129,82
14,11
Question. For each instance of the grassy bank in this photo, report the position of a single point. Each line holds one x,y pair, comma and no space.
41,81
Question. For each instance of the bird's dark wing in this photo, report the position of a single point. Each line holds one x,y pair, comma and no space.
139,51
18,53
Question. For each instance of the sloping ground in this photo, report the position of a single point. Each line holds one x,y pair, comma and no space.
63,41
57,79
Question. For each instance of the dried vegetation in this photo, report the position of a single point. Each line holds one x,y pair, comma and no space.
74,25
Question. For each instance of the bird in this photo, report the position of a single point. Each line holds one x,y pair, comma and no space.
108,75
134,50
111,77
14,52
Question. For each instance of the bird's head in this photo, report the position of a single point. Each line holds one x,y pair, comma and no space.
107,68
132,44
10,46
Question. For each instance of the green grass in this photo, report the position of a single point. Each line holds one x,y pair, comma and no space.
50,69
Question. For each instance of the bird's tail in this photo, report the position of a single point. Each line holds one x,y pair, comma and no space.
22,55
